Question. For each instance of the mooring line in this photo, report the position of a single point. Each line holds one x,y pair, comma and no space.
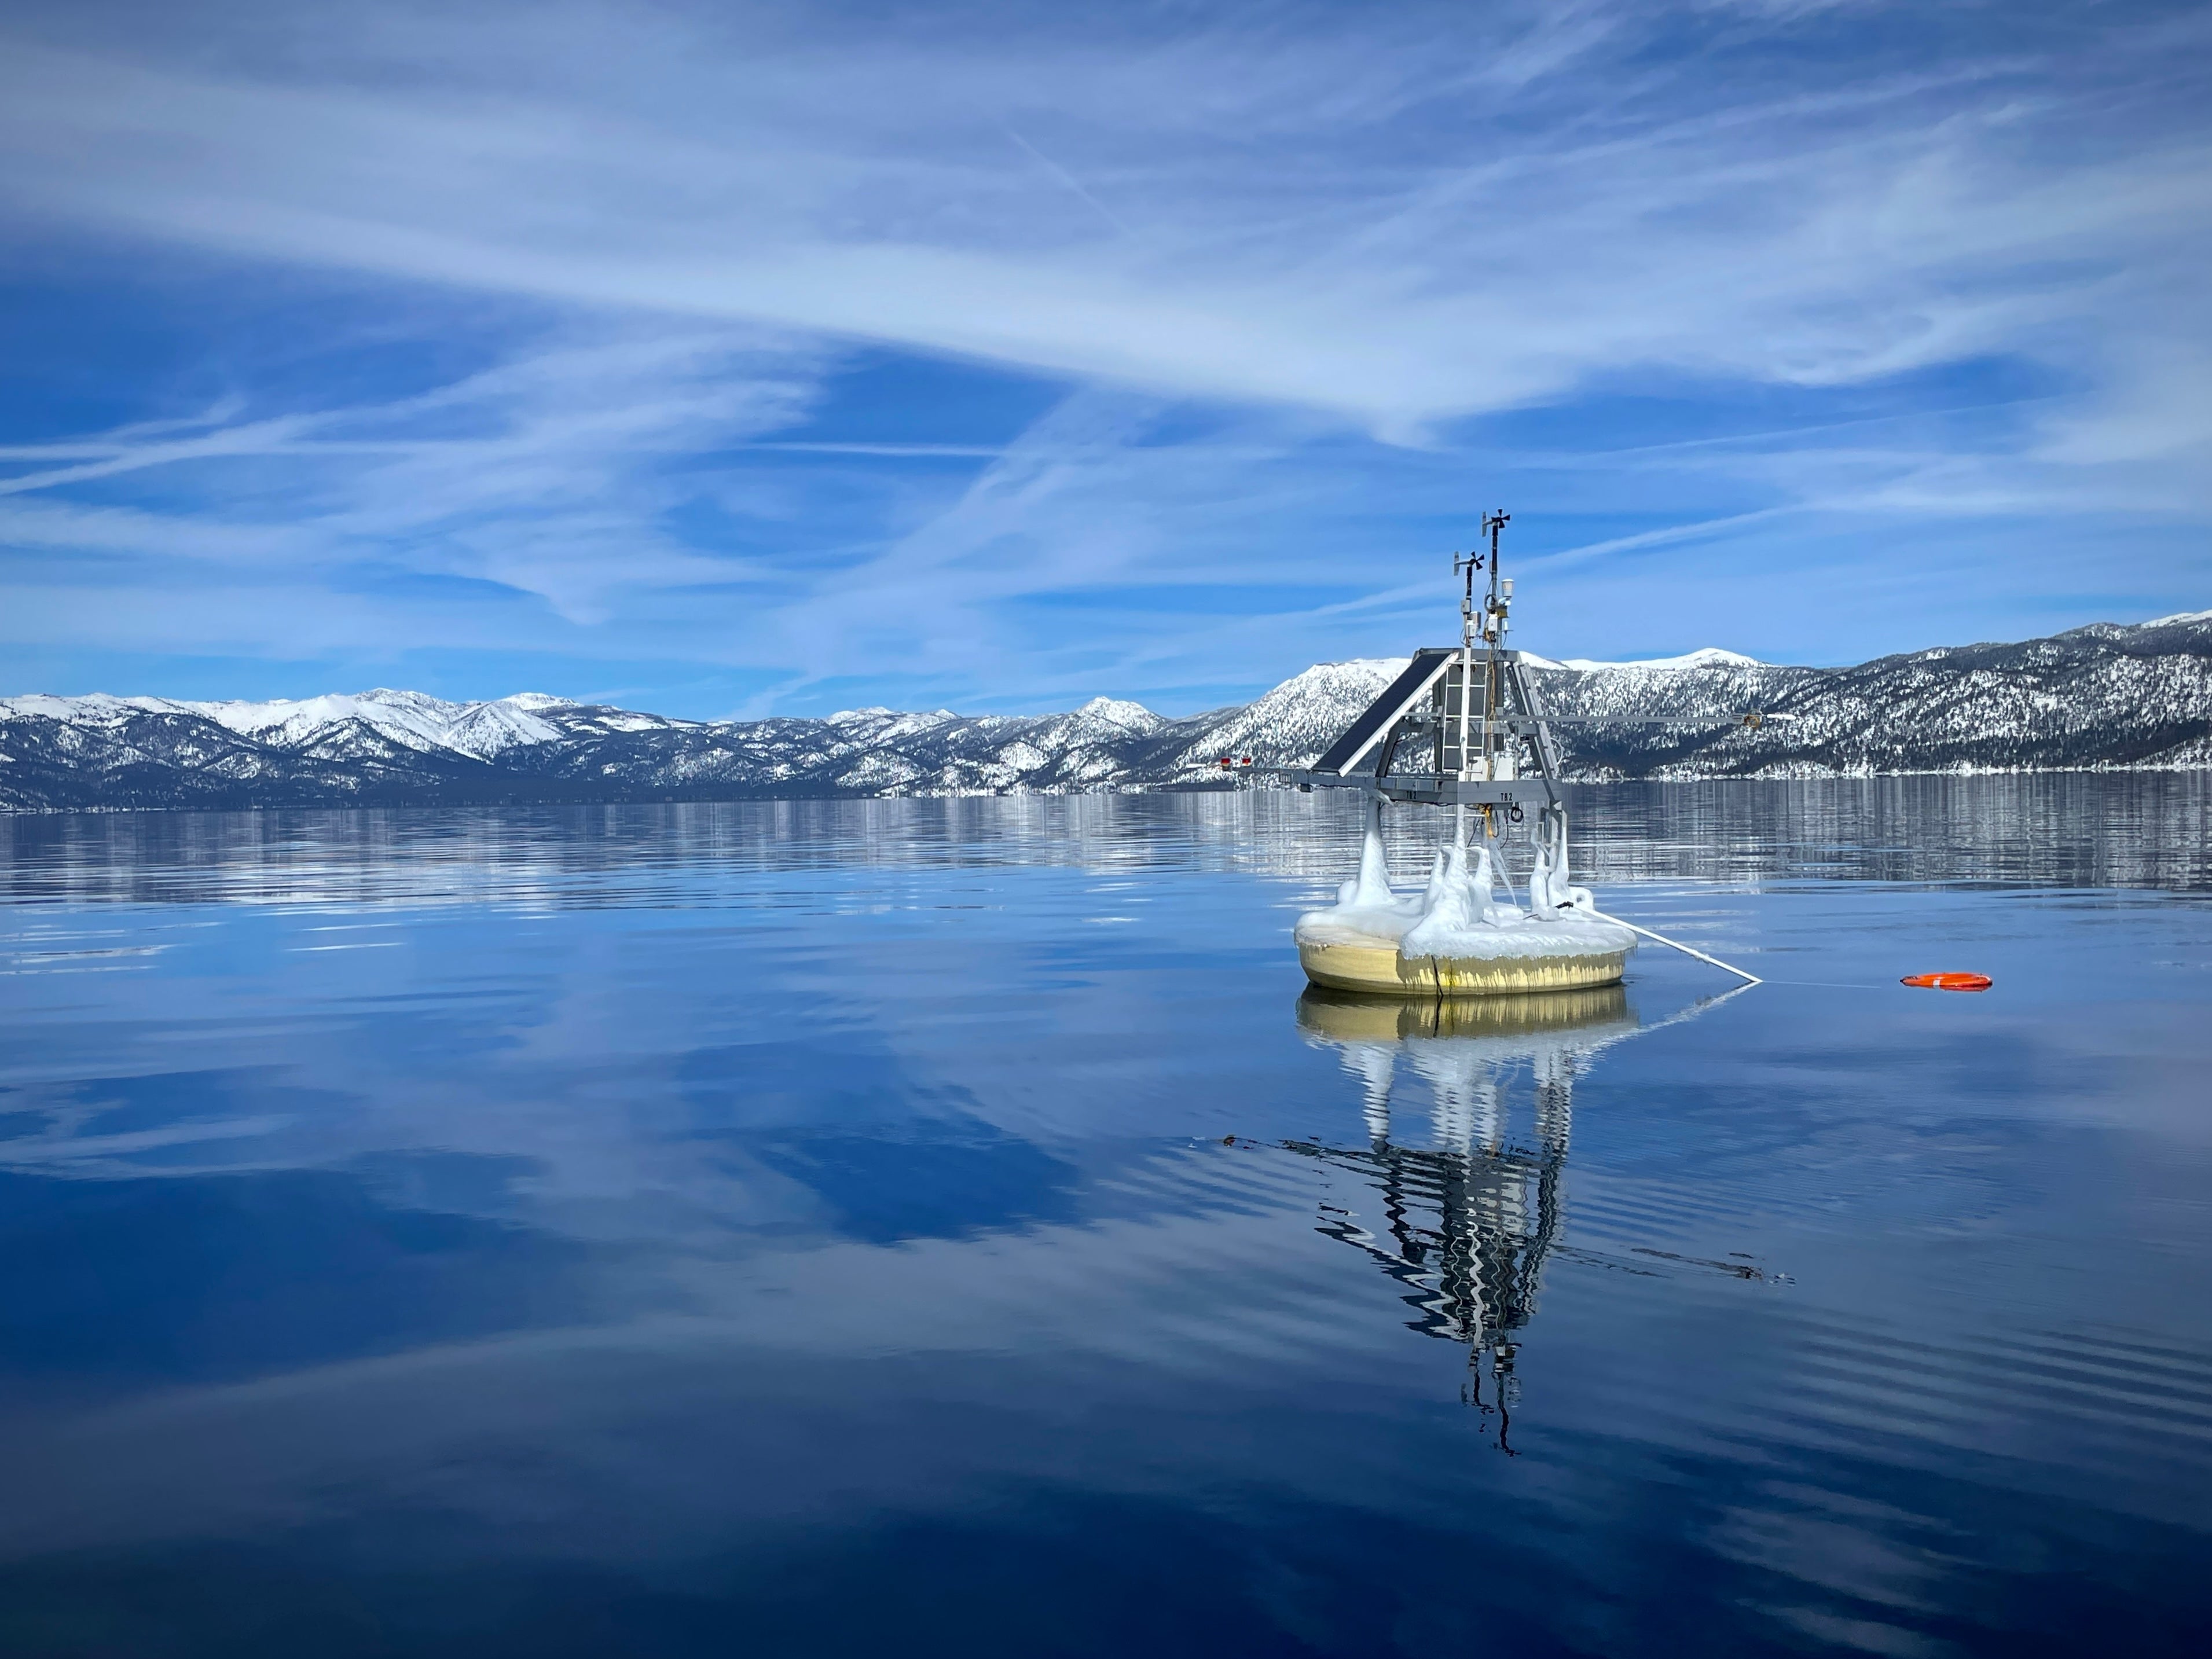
1687,949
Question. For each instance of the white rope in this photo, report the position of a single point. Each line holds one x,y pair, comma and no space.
1687,949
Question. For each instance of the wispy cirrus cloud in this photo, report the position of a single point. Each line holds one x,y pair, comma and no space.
547,474
1401,229
1302,278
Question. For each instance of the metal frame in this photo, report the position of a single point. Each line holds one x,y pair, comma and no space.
1489,753
1478,761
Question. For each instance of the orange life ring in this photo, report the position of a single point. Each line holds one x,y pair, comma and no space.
1948,982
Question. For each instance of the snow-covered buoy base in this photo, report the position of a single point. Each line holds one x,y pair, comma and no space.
1454,939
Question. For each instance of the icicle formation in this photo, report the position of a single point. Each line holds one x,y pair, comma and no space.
1455,903
1484,881
1549,888
1371,888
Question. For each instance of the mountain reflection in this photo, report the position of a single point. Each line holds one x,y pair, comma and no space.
1466,1223
2127,830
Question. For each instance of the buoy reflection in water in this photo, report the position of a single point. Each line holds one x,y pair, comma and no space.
1466,1223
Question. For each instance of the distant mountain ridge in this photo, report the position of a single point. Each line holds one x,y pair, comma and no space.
2102,696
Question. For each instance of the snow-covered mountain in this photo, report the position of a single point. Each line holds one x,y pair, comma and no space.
2095,697
2104,695
410,719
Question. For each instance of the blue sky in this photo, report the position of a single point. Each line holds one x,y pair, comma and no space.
736,360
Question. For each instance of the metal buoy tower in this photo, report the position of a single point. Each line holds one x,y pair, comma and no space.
1490,751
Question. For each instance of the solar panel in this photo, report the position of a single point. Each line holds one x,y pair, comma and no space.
1405,690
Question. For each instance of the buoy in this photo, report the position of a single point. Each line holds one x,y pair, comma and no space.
1948,982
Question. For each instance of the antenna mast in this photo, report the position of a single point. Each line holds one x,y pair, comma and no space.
1484,624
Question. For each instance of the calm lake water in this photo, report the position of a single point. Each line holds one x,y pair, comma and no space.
946,1228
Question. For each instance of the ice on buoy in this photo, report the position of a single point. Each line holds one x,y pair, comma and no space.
1370,887
1452,937
1456,903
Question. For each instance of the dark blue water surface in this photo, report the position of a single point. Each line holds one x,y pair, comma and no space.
946,1228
